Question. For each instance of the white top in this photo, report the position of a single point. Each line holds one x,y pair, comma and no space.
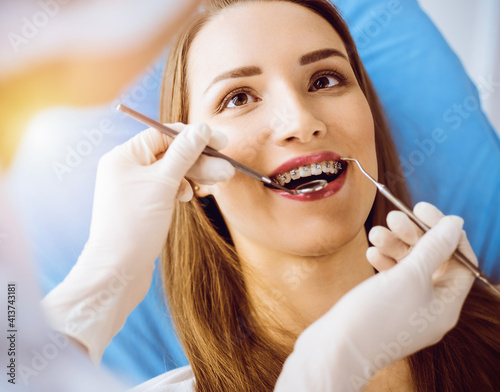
176,380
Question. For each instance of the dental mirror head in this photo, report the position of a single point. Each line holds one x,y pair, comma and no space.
311,186
308,187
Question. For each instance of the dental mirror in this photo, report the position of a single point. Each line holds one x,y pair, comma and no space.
311,186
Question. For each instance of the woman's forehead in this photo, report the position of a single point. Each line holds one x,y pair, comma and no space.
258,33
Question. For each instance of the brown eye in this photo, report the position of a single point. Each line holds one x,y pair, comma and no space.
324,82
238,100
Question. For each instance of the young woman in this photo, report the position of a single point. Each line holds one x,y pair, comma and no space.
248,269
295,88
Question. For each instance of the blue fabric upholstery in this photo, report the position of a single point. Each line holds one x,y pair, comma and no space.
450,154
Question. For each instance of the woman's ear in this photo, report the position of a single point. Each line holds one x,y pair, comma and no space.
202,190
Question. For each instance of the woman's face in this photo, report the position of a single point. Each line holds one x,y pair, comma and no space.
275,78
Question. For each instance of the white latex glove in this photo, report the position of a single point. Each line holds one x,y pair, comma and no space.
133,203
391,315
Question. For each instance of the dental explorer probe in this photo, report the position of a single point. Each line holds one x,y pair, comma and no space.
399,204
311,186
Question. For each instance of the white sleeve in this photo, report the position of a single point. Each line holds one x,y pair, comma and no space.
33,357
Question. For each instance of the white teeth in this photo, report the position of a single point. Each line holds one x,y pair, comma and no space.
294,174
305,171
326,166
336,167
309,170
284,178
316,169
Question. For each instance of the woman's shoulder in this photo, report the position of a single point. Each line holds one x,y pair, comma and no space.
176,380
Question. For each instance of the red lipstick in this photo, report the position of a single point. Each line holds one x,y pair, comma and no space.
333,186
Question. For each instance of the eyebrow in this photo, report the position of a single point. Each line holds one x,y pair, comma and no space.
241,72
306,59
321,54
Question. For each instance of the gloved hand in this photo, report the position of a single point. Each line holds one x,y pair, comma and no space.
391,315
134,198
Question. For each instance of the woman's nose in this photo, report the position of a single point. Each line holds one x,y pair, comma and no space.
293,121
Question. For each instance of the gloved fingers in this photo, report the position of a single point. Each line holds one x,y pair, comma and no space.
144,147
407,231
431,215
428,213
209,170
378,260
451,290
218,140
185,192
435,247
184,151
388,243
150,145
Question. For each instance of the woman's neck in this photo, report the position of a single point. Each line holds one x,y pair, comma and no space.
291,292
297,290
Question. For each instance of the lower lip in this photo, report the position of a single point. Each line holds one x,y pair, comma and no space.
329,190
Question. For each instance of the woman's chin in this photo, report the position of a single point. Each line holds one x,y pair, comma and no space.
322,246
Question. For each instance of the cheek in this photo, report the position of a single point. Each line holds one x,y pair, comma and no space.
248,140
354,117
351,127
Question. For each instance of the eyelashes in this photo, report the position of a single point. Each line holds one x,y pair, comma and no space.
238,97
319,79
242,96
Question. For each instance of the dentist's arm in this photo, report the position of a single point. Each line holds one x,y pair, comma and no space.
381,320
134,198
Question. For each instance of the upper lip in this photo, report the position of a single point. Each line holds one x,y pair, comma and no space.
305,160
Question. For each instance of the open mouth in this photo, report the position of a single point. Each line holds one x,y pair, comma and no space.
324,170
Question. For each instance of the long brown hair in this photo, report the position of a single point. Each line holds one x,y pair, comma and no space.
226,345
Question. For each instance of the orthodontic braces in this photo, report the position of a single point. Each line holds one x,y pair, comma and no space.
317,168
